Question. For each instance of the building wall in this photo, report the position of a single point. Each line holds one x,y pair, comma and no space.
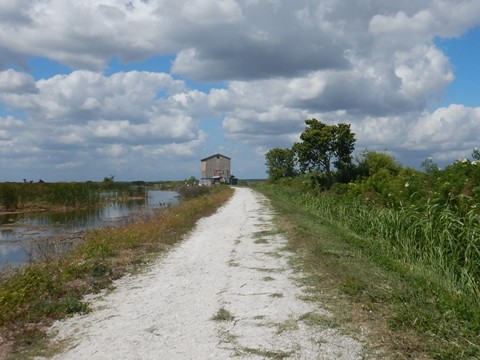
204,169
216,165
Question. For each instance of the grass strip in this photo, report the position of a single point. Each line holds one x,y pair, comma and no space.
36,295
405,310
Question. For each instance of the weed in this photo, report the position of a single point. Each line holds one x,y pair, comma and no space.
276,295
261,241
314,319
223,315
270,354
264,233
267,270
287,325
274,254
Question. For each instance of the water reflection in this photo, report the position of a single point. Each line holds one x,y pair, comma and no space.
33,236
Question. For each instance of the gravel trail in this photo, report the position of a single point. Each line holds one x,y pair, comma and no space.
226,291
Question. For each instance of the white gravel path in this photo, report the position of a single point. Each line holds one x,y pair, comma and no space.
232,260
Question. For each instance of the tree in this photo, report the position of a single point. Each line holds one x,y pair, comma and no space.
374,162
476,154
109,179
324,147
429,166
280,163
192,180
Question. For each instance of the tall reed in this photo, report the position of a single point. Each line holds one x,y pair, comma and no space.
432,236
9,196
19,195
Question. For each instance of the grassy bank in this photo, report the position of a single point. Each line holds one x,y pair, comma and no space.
26,196
41,293
410,303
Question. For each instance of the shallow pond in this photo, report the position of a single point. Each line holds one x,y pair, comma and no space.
30,236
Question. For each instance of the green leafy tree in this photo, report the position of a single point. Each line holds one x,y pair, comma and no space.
191,180
377,161
325,147
429,166
109,179
476,154
280,163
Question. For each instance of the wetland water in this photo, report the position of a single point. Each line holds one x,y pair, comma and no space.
29,236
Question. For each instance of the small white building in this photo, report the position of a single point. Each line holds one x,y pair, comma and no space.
216,169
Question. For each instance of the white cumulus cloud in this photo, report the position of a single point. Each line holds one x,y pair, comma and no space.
374,64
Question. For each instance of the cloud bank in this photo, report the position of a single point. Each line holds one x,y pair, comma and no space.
373,64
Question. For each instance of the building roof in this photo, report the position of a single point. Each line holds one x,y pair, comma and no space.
226,157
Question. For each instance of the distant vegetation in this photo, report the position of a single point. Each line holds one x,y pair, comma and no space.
427,222
21,196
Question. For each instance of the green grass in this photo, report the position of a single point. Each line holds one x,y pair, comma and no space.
35,296
432,237
314,319
371,276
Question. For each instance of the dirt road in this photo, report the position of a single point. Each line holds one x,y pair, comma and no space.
226,291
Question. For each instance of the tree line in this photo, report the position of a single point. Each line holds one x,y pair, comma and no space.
325,152
325,156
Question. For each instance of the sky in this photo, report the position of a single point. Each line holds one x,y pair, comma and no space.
144,89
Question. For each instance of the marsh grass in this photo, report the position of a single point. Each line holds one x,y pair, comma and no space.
409,277
431,237
34,296
18,196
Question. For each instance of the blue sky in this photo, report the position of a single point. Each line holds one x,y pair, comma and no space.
464,55
143,90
